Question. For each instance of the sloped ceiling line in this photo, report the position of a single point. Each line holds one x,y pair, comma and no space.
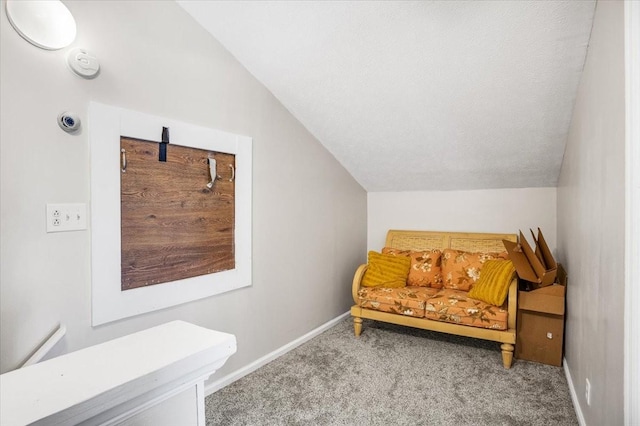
428,95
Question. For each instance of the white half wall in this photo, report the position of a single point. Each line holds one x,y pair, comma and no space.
591,223
489,210
308,217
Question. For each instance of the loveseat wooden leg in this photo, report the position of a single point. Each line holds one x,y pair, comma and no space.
357,325
507,354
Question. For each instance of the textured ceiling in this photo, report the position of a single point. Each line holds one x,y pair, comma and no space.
431,95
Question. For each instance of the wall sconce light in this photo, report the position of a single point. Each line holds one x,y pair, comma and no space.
47,24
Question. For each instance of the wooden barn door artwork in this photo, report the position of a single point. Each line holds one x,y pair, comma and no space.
173,226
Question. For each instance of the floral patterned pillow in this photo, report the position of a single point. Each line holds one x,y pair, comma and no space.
460,269
425,268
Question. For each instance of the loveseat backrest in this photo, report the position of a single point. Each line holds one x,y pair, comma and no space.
427,240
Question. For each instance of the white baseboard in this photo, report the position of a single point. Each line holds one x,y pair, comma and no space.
238,374
574,395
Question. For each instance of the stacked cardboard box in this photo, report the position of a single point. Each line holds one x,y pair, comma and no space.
541,310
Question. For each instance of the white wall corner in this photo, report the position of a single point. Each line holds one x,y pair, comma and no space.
632,214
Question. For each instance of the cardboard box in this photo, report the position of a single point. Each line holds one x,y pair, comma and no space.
540,323
538,267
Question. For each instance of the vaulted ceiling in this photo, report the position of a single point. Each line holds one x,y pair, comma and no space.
419,95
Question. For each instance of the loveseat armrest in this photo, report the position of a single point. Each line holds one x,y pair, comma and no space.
512,308
357,279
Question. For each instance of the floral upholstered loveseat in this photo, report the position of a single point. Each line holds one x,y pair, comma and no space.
444,268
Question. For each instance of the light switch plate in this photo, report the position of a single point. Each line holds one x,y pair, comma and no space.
66,217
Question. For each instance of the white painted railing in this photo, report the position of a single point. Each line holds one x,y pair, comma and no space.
46,346
153,377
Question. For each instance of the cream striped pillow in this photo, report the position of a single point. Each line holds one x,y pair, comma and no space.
385,270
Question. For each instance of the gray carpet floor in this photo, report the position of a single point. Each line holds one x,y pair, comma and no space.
394,375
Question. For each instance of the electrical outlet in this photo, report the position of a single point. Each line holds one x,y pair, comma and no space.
66,217
587,392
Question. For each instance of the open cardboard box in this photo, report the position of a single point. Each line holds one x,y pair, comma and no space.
549,299
538,267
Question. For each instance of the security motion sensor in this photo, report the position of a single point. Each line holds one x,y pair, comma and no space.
69,122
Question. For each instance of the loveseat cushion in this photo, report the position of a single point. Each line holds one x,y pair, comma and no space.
408,301
426,270
457,307
460,269
384,270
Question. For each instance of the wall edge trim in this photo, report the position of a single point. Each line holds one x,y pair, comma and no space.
574,395
260,362
632,208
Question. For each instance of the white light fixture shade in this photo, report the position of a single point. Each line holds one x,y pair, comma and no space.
47,24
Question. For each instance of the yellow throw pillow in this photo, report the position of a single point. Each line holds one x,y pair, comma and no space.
385,270
493,285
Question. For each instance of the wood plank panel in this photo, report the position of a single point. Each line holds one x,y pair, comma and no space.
173,226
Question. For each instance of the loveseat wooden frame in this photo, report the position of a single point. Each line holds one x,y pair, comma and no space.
426,240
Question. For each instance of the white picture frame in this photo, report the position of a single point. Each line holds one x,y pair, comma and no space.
106,125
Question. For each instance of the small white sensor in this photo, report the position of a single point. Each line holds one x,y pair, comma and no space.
69,122
82,63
